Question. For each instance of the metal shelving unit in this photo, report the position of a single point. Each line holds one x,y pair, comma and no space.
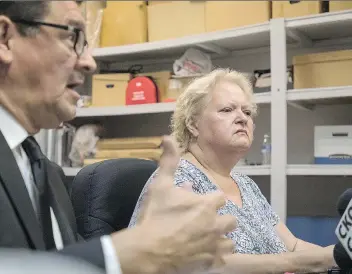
260,98
216,43
276,36
254,170
323,30
319,170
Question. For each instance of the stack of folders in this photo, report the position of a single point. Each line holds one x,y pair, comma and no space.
116,148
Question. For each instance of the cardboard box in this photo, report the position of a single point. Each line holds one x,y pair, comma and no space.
324,69
220,15
333,145
340,5
129,143
289,9
109,89
124,23
152,154
151,3
175,19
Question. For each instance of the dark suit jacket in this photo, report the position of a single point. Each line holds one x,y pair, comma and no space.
18,222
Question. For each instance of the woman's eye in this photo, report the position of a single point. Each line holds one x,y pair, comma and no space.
226,109
248,112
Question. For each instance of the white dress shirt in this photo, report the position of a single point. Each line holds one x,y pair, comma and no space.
14,135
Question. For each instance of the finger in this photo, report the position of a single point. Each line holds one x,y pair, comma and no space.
215,199
167,165
225,246
170,157
225,224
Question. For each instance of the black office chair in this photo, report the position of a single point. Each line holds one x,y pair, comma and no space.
105,194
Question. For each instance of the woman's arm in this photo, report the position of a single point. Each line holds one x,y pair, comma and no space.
305,261
291,241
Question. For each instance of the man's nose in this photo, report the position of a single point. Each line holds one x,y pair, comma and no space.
86,63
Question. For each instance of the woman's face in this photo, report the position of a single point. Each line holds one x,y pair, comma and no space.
226,122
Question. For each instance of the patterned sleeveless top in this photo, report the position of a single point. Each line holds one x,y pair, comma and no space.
255,233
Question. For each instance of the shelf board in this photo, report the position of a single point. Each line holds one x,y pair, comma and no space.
125,110
319,170
247,170
321,29
71,171
316,96
292,170
260,98
219,42
254,170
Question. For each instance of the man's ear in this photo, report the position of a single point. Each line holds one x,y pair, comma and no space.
7,30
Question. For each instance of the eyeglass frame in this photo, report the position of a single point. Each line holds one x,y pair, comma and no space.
77,31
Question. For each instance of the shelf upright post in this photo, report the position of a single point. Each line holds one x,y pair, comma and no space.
278,59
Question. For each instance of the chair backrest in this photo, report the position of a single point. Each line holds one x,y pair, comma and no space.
105,194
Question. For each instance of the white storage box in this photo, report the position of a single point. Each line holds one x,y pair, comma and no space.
333,145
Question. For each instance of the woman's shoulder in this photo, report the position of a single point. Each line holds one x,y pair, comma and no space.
246,182
184,171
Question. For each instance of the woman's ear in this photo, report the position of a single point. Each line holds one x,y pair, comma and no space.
193,128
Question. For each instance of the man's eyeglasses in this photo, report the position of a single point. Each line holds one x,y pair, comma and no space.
80,42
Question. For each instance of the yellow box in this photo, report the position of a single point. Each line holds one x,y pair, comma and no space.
175,19
340,5
220,15
289,9
150,3
152,154
326,69
124,23
110,89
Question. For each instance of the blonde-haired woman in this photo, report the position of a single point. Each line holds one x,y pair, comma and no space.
213,125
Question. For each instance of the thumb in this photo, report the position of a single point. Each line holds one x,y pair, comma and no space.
168,163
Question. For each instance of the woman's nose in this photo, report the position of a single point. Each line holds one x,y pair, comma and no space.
241,117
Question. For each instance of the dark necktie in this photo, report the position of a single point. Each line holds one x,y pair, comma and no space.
38,165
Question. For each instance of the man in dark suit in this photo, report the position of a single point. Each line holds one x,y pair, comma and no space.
43,57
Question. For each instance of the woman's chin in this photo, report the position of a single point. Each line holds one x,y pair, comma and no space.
241,145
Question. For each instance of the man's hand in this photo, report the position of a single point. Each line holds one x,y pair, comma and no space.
179,231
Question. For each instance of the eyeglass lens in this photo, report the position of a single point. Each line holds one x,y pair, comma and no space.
81,42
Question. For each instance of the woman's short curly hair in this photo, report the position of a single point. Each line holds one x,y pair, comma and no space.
195,97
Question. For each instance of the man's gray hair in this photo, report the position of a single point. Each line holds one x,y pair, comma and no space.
25,10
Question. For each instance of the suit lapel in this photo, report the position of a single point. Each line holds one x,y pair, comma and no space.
18,194
61,205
